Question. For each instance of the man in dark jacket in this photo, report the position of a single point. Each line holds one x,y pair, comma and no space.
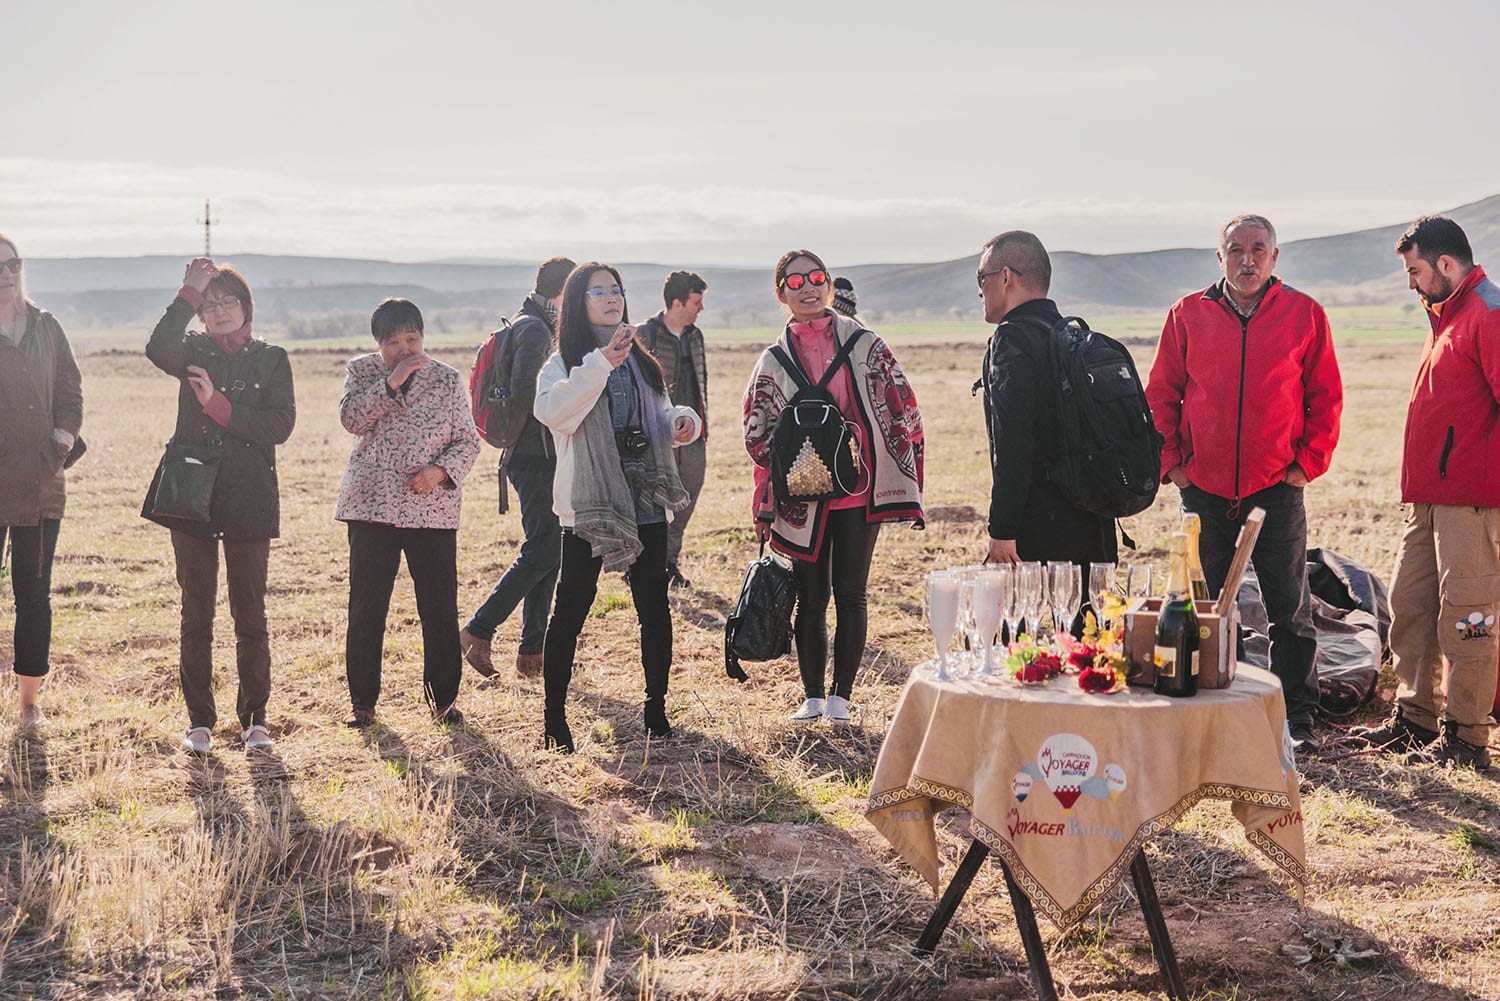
1246,392
1445,592
1029,518
528,465
677,344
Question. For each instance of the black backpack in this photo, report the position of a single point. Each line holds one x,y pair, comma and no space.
760,627
1109,459
497,418
814,451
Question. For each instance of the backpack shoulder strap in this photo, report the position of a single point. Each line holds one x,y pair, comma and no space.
845,350
789,363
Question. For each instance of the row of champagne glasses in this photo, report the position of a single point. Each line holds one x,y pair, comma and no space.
980,599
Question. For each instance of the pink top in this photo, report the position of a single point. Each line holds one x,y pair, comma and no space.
816,347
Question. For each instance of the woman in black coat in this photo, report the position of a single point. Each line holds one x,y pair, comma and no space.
234,391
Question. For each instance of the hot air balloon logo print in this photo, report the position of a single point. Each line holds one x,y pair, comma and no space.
1476,625
1067,764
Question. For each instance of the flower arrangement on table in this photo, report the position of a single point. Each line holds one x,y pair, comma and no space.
1098,657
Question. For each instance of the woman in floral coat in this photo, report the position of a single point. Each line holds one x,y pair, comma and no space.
415,442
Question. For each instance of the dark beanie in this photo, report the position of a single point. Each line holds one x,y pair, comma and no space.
844,299
551,276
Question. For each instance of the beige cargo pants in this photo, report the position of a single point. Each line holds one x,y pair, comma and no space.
1445,596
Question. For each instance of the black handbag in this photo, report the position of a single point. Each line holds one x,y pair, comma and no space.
184,484
760,627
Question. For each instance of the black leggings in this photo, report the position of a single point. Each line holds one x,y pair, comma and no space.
842,566
576,588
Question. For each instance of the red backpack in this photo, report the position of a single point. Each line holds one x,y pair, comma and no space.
497,419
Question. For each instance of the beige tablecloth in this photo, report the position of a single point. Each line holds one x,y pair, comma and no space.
1066,786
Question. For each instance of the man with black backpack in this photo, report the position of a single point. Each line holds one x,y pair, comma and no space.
1246,390
528,462
1031,518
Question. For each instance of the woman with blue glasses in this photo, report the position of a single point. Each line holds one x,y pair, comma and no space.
603,398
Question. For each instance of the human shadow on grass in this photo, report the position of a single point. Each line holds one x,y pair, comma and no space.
29,948
711,809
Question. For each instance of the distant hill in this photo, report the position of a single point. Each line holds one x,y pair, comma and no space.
309,294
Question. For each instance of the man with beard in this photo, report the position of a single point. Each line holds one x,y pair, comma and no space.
1246,392
1445,591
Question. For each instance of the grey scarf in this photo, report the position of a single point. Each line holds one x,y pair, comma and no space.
603,506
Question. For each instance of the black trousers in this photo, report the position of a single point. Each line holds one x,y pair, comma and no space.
577,586
31,551
1280,561
432,559
842,569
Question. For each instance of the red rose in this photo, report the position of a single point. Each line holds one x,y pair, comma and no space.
1097,679
1049,662
1083,655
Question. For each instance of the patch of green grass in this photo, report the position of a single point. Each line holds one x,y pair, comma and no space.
608,602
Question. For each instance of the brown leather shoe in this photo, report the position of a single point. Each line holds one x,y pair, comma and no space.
360,718
529,665
477,653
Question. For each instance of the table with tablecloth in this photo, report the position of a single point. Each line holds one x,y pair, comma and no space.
1066,786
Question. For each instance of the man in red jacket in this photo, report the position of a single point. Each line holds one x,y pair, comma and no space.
1246,391
1445,592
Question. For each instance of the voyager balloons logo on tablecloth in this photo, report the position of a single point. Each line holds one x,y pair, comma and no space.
1067,763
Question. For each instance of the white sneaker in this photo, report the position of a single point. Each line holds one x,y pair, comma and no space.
258,738
199,740
837,710
811,709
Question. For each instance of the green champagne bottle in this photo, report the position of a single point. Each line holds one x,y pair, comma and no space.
1177,629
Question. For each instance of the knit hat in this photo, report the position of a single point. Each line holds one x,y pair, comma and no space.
551,276
844,299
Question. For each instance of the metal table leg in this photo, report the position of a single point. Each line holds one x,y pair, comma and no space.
1156,925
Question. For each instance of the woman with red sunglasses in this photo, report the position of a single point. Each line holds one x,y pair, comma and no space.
831,542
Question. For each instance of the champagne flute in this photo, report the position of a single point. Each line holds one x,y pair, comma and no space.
1064,584
1101,584
942,616
1137,580
1029,596
992,593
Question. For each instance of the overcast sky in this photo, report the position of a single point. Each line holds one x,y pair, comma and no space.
726,133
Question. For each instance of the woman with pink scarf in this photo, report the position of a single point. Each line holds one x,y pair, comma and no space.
234,391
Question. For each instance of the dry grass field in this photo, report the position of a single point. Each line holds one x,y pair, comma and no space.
732,861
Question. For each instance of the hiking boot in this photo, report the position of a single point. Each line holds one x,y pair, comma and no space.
1448,749
1303,741
529,665
675,578
1397,735
477,653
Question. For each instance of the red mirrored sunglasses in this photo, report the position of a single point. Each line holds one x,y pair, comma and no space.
794,281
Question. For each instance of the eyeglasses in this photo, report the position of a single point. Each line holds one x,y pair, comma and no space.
794,281
14,264
981,276
224,305
613,292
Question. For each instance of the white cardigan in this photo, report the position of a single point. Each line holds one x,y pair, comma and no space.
564,399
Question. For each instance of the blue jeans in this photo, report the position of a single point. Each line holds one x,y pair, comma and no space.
1280,561
31,552
531,579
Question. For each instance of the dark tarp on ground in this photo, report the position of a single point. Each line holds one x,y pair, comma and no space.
1352,613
